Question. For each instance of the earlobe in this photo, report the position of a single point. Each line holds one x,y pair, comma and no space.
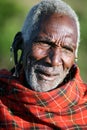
16,46
76,59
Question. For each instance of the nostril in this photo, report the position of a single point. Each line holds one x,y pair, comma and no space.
54,57
48,61
53,61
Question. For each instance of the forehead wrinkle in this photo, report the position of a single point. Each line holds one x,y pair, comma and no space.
41,38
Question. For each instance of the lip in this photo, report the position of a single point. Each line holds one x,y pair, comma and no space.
45,75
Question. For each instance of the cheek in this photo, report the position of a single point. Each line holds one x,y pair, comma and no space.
68,61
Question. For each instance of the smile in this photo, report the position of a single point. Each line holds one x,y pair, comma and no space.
46,76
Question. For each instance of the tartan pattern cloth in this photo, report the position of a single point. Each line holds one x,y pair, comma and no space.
64,108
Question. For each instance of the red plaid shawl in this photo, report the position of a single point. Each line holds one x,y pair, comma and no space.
64,108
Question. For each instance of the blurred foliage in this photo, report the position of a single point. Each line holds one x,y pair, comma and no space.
12,16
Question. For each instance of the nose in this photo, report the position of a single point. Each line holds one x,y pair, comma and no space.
54,57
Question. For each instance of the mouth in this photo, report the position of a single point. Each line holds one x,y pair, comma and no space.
45,75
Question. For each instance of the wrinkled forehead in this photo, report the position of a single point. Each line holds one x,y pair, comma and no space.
57,19
58,22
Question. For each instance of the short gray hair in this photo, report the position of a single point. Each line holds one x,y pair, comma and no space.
48,6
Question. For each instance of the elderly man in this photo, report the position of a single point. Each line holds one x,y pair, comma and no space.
44,90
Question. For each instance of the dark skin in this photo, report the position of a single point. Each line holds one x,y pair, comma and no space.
57,36
53,52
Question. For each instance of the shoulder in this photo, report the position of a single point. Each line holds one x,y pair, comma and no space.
7,82
4,72
6,78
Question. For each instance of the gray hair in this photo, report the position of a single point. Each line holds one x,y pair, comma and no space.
48,6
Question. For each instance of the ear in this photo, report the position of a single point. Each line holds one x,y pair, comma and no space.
17,45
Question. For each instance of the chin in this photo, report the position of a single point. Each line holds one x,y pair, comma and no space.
42,85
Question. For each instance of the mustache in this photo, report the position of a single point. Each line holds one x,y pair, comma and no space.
43,67
48,70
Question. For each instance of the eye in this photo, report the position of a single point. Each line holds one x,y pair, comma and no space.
42,45
67,48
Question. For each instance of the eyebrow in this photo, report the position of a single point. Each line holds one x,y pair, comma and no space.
47,40
44,39
70,45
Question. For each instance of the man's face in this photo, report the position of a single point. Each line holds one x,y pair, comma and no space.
52,53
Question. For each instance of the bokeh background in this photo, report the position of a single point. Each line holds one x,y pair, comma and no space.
12,16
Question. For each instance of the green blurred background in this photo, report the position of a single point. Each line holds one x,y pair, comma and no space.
12,16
